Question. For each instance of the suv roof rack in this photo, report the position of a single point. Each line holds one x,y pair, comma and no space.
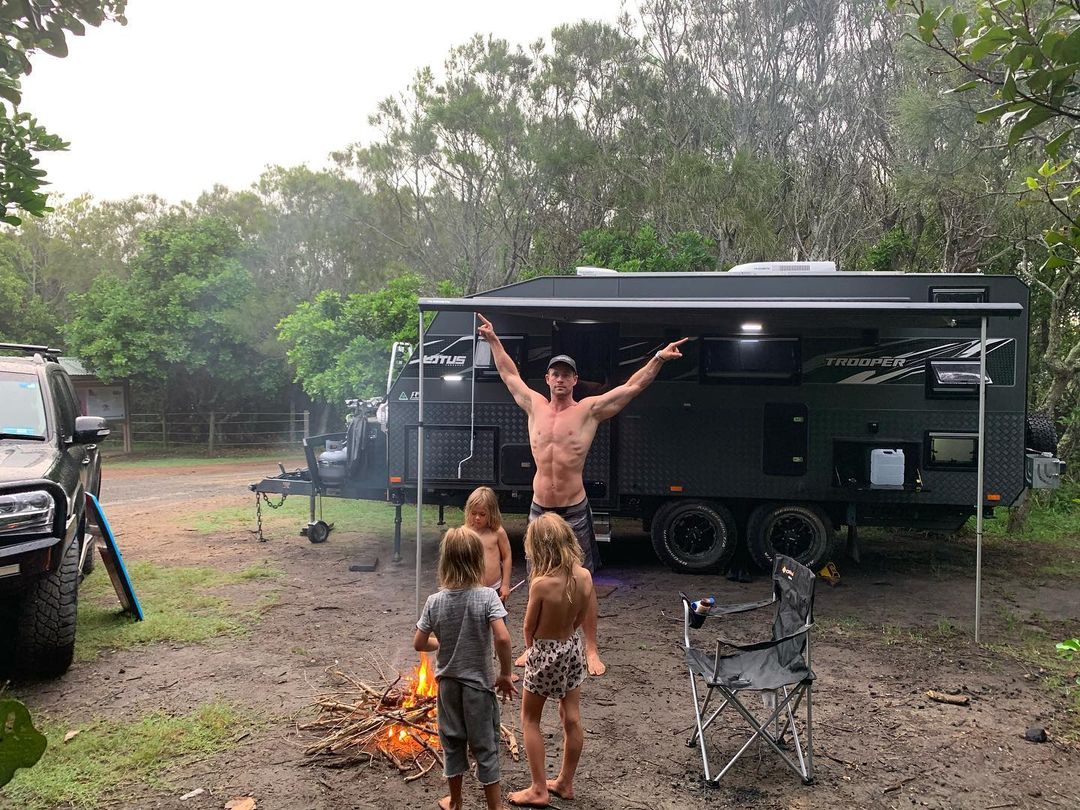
27,348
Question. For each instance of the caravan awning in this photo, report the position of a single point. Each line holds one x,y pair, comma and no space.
847,312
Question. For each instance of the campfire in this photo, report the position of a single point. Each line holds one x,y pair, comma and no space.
396,720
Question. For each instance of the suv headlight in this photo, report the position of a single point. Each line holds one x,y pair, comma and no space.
26,512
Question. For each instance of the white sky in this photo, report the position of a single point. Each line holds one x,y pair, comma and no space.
195,92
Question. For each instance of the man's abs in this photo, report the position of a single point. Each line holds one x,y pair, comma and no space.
560,442
558,490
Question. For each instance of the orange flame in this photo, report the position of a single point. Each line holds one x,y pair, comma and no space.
421,685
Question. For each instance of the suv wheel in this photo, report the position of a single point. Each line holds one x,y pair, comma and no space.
45,626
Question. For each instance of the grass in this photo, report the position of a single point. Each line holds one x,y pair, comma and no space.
1054,519
290,457
109,755
365,516
175,603
1032,642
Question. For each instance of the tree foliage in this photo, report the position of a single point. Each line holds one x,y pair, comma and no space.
28,26
340,345
1025,55
178,321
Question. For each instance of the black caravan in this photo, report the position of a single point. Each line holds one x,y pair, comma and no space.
806,399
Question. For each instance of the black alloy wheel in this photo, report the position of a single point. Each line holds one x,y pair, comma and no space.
694,536
799,531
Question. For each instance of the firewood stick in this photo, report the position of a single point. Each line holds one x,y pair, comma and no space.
431,750
955,700
511,741
396,762
416,776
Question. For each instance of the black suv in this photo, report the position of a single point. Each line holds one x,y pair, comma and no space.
48,461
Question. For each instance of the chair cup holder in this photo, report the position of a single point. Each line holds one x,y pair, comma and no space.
697,620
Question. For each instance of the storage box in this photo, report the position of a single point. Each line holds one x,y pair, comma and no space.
886,467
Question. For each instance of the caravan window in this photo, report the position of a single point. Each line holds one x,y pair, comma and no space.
593,347
952,450
760,360
957,295
953,379
485,363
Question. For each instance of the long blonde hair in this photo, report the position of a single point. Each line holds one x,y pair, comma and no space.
553,550
486,499
461,559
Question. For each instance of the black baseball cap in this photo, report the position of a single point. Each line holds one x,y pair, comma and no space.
563,358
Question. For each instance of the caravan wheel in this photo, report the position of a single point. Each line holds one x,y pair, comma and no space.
693,536
800,531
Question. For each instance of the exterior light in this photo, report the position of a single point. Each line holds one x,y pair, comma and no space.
452,377
751,327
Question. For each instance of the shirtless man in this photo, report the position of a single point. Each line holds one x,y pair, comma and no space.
560,434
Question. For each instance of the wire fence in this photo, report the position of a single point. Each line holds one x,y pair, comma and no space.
215,430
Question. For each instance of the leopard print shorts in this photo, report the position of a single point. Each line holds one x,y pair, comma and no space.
554,667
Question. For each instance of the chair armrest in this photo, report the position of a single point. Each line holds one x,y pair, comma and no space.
727,610
764,645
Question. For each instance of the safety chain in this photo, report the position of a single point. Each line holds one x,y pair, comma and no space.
258,512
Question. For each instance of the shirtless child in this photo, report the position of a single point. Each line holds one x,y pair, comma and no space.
482,515
560,591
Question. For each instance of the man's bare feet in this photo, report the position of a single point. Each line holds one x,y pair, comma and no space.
529,797
556,789
520,662
596,666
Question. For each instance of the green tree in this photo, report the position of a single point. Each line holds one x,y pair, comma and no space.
340,345
180,322
28,26
643,251
1026,53
24,317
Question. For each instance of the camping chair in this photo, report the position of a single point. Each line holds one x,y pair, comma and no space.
778,670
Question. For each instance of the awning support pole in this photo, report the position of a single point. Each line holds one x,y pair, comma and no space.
420,463
980,496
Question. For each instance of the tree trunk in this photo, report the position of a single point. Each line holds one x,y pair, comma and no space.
1018,515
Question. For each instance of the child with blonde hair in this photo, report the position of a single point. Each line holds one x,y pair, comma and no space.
483,516
559,592
461,624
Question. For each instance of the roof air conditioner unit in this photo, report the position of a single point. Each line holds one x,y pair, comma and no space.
784,267
596,271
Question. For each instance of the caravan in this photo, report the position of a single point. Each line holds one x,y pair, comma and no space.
807,399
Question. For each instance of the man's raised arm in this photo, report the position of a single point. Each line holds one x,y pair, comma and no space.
608,404
522,394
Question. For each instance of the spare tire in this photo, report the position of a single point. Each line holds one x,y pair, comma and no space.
1039,433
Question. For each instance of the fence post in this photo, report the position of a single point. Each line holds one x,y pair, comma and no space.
211,432
164,431
307,423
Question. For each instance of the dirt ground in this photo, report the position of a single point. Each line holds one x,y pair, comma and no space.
898,625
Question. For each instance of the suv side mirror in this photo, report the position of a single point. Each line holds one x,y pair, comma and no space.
90,429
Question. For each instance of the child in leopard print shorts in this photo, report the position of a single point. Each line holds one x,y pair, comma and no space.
559,593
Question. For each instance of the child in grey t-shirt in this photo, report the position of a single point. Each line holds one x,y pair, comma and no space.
461,623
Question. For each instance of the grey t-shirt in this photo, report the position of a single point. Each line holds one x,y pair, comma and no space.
461,621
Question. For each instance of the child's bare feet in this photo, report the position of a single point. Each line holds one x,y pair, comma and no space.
529,797
560,791
445,803
520,662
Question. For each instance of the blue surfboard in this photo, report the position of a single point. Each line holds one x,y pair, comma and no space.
114,560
